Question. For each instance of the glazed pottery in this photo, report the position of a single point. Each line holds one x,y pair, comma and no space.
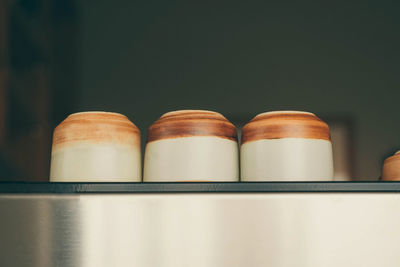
286,146
191,145
391,168
96,147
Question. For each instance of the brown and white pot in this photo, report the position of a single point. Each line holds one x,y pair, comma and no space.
96,147
286,146
191,145
391,168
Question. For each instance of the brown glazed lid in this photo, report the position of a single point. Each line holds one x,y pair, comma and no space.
391,168
187,123
96,127
285,124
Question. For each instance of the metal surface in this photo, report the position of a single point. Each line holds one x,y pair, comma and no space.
242,229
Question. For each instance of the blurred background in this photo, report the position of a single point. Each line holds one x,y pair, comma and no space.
338,59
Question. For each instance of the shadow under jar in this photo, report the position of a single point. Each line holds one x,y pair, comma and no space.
190,146
96,147
286,146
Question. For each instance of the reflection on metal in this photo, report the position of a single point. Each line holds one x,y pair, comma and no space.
297,229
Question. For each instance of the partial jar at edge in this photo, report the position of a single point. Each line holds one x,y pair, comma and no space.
391,168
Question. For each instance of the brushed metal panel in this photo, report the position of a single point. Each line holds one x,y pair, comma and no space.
266,229
40,231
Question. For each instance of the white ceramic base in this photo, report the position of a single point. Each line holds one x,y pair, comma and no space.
287,159
96,163
191,159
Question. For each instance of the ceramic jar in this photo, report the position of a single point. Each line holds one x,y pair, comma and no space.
286,146
96,147
191,145
391,168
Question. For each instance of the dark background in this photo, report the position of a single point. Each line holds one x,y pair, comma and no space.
338,59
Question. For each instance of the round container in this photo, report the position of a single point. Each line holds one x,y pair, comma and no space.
391,168
286,146
96,147
191,145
